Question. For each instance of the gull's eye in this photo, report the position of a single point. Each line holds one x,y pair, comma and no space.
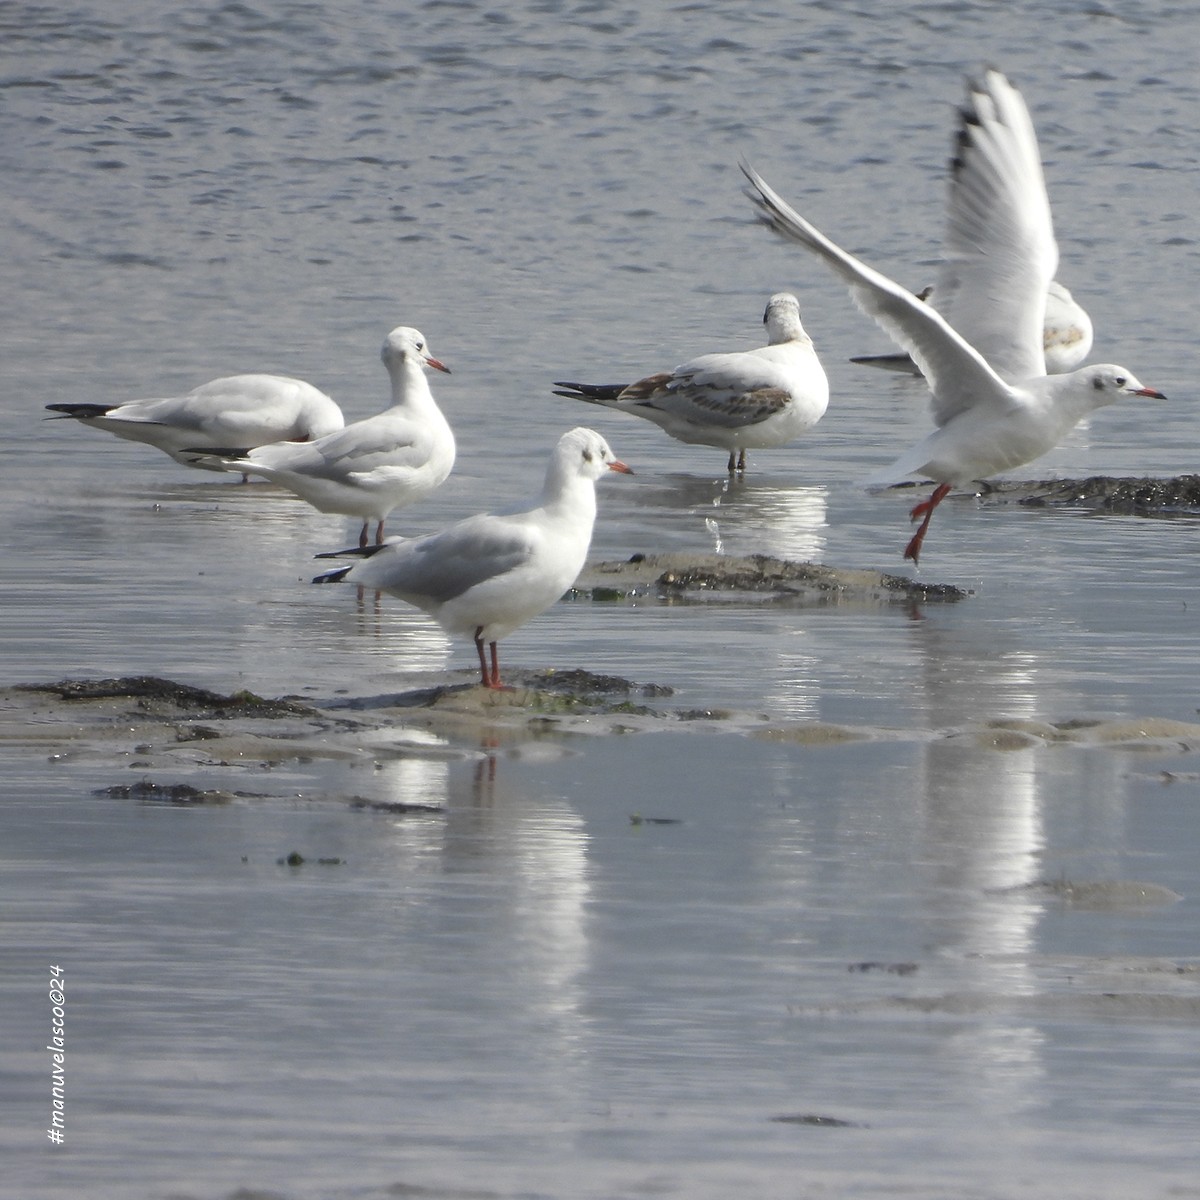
1120,381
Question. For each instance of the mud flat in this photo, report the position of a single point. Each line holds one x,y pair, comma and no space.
148,722
691,578
1121,495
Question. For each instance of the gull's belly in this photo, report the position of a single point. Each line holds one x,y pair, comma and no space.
968,450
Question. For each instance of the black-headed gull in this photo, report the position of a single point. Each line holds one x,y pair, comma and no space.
997,217
489,574
738,401
371,466
985,424
242,410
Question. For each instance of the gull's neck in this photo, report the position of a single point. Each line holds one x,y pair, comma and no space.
410,388
786,327
566,493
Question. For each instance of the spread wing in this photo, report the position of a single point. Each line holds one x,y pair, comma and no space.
1000,252
958,375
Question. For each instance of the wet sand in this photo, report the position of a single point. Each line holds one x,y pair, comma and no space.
163,720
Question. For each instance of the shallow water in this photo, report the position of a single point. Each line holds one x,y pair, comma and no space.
529,994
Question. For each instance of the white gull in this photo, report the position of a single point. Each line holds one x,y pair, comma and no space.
997,220
489,574
985,424
740,400
243,410
373,466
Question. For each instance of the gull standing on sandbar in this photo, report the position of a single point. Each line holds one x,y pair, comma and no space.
489,574
373,466
737,401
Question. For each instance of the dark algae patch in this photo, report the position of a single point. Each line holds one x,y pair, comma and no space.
677,577
1125,496
817,1120
150,691
177,794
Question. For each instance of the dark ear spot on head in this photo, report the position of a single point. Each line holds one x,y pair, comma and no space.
1098,383
587,456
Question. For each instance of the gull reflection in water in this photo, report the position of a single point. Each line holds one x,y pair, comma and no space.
787,522
410,640
980,794
510,872
535,846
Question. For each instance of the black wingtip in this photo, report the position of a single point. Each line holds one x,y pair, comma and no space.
80,412
332,576
354,552
218,451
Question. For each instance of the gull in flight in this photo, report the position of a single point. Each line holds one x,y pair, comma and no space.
748,399
371,466
489,574
994,406
247,410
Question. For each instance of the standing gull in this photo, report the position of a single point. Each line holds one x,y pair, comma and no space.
998,225
243,410
748,399
375,465
985,424
489,574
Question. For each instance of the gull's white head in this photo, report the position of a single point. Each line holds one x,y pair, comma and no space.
782,319
584,453
405,344
1110,383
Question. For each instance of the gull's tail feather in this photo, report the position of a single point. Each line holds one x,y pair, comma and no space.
594,393
356,551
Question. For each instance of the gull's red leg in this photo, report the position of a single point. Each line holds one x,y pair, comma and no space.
484,678
924,509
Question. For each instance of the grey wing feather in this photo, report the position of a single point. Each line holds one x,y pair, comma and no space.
355,449
1000,251
913,325
444,565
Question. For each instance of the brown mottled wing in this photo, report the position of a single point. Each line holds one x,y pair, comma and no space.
727,391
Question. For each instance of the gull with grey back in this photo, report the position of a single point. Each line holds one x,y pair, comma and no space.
372,466
243,410
491,573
